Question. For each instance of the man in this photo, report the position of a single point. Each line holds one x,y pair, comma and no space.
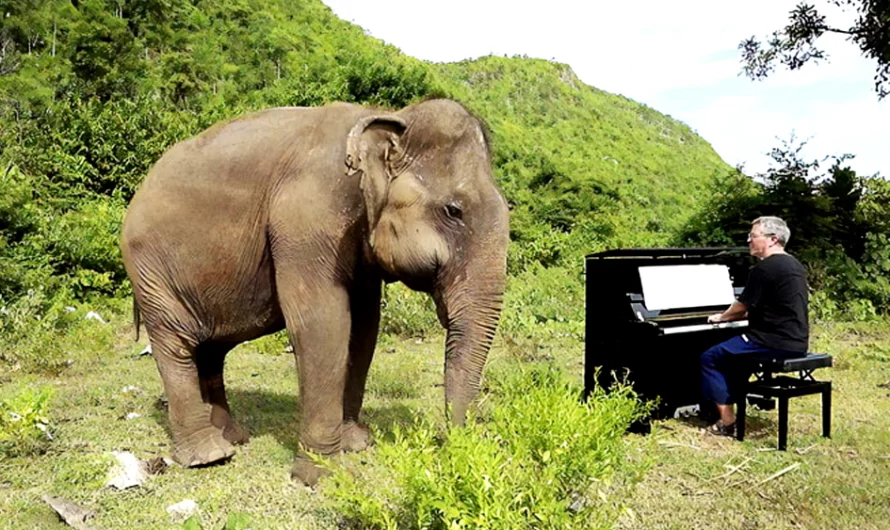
775,302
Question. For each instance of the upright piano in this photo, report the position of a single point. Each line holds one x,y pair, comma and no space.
646,319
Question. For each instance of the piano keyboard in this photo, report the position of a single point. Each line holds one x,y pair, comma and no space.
704,327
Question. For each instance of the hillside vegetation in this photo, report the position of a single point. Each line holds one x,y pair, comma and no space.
576,160
92,92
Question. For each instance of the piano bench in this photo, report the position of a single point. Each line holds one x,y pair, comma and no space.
768,386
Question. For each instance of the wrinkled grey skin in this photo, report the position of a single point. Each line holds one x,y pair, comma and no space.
293,218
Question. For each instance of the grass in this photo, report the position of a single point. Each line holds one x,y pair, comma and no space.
693,480
837,483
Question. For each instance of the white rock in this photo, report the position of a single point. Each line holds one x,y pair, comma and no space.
146,350
92,315
129,473
182,510
133,415
128,389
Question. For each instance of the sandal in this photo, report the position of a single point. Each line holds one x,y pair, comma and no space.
722,429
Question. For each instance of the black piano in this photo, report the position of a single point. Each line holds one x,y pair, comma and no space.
646,319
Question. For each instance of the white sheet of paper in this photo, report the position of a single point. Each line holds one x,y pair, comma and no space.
680,286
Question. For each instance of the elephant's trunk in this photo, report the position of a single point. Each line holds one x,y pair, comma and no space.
470,310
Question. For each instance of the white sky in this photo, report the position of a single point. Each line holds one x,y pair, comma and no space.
681,61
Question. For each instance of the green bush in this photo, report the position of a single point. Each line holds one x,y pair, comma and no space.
274,344
542,304
24,423
45,333
84,246
407,313
540,458
29,330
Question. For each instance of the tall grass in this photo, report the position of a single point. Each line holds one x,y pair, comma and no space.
539,457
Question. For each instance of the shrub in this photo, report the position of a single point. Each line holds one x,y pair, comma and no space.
46,333
543,303
407,313
24,423
540,458
274,344
84,246
29,330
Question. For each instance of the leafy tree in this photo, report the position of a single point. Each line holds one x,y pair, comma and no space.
103,53
839,221
796,44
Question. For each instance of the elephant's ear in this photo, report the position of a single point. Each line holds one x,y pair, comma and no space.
371,147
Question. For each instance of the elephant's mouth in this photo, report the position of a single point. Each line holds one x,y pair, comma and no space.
424,285
415,283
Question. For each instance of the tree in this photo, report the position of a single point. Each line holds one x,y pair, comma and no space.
796,44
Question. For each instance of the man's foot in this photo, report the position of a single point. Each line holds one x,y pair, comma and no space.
722,429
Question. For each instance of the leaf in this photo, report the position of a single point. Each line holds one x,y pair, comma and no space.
237,521
192,523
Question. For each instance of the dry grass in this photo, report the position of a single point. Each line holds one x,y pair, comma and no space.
701,481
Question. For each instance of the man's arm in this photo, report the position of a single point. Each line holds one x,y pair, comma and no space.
736,311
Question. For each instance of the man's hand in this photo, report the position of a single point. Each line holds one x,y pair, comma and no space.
735,312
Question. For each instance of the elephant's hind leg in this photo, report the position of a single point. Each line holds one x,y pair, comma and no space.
210,359
196,439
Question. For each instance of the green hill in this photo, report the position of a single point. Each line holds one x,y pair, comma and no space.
94,91
574,159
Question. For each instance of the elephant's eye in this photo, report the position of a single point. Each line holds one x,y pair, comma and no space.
454,211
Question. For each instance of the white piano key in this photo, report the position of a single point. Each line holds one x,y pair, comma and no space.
704,327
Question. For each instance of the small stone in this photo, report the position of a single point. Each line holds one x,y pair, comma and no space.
130,472
182,510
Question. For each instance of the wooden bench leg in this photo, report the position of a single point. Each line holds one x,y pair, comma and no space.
826,411
783,423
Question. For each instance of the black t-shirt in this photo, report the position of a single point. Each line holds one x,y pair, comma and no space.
776,296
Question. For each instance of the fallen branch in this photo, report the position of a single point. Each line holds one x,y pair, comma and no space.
778,474
733,469
677,444
805,450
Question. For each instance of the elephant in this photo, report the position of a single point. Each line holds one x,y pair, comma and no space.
294,218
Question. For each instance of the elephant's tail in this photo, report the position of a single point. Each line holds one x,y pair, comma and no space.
136,318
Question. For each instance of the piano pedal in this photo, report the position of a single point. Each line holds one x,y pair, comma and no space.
688,411
762,403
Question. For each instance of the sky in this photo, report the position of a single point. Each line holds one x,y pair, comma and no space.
680,58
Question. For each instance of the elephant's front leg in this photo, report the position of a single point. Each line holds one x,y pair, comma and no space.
318,323
365,308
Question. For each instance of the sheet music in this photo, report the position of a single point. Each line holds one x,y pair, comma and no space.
681,286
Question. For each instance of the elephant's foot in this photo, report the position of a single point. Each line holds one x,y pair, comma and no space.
235,433
205,446
354,437
306,471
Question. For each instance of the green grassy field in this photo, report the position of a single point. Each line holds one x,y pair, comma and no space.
691,480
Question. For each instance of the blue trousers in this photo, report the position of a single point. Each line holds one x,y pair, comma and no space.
720,376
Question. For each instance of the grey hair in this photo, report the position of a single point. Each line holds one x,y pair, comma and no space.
774,226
